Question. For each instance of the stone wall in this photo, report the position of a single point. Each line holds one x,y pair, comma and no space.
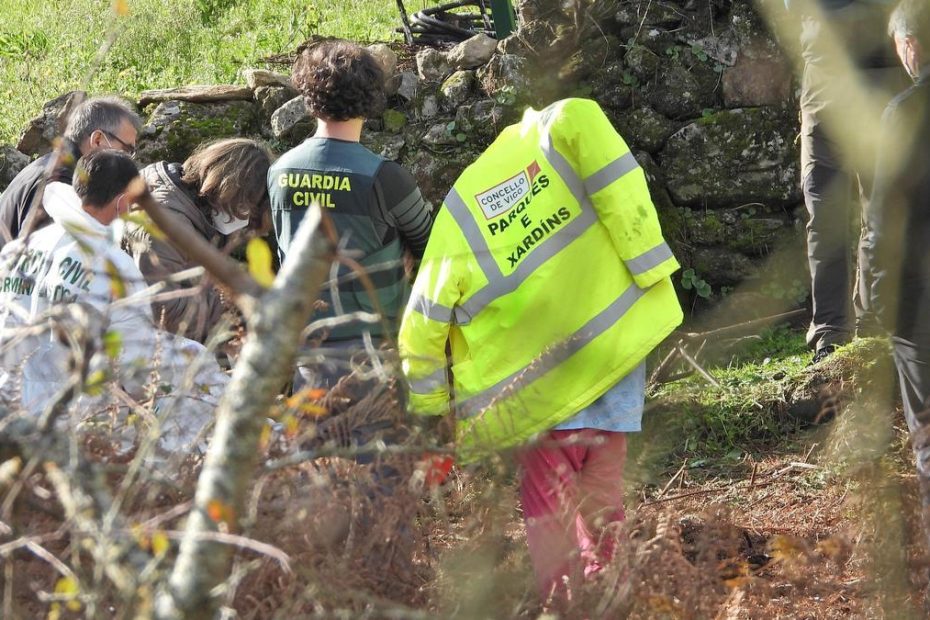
699,90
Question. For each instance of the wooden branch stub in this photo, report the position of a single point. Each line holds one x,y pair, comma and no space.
267,363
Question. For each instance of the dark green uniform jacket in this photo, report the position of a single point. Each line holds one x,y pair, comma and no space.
377,211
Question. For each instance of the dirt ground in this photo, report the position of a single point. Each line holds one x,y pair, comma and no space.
787,529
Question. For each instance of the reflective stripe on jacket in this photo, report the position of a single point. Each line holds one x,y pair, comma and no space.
547,274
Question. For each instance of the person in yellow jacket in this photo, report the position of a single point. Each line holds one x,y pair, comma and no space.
547,277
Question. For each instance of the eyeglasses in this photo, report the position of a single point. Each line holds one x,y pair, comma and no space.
129,149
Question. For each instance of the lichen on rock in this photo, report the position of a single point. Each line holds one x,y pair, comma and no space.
733,157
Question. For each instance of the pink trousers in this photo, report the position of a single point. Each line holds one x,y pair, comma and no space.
572,495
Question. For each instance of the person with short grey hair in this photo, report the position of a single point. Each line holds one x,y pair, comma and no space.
95,124
909,26
899,220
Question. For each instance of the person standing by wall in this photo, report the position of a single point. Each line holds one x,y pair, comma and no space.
900,229
843,53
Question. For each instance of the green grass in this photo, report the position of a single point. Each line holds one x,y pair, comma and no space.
47,46
726,422
767,393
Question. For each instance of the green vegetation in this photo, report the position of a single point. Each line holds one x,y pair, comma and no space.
726,421
767,393
47,47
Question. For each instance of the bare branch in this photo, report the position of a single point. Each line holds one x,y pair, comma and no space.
266,364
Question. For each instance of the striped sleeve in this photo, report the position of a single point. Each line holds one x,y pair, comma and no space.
406,206
617,187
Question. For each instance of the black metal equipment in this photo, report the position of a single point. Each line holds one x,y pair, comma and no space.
442,24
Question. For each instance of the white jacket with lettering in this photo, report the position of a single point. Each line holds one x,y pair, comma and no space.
77,260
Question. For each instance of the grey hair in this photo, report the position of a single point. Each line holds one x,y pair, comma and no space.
911,18
104,113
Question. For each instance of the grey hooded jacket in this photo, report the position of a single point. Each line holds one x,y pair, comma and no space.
193,315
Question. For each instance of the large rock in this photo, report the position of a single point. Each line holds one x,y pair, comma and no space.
408,85
720,266
270,98
292,119
481,121
506,78
592,54
473,52
435,175
441,134
197,94
38,136
432,65
175,128
429,107
11,163
386,57
645,128
742,231
386,145
757,80
457,89
681,87
734,157
256,78
608,87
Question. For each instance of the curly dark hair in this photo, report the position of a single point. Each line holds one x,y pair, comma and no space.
340,81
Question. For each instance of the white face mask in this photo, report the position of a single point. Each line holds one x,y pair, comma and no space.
227,224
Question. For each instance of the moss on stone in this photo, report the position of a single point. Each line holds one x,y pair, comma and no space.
394,120
175,129
733,157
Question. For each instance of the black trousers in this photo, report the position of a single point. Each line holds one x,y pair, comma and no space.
912,362
838,144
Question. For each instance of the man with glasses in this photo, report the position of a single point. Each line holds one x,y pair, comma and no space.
99,123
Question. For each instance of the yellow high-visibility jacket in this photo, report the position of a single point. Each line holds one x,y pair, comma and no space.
547,275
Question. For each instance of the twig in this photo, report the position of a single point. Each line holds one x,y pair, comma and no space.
684,353
265,366
714,333
659,373
235,540
175,512
663,500
32,544
697,354
405,21
673,478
